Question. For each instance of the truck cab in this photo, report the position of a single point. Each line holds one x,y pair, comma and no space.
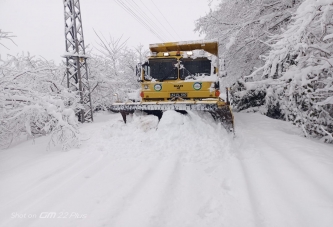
181,71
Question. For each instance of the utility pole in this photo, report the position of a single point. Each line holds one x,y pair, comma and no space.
76,60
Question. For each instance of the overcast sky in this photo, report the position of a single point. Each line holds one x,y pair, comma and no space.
39,24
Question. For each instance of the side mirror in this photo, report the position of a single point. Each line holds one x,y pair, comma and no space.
145,69
138,70
222,69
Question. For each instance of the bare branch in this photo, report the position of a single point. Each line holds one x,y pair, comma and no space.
6,35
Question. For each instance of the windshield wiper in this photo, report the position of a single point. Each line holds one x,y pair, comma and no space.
167,75
189,74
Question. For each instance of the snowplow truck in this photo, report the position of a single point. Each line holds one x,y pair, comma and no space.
181,76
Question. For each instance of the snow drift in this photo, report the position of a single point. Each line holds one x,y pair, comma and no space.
184,171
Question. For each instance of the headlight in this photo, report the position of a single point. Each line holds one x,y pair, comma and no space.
197,86
158,87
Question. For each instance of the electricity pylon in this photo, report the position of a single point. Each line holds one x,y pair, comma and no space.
76,60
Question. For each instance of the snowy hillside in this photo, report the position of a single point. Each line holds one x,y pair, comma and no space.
183,171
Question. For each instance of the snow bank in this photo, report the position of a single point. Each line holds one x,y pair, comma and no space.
184,171
194,136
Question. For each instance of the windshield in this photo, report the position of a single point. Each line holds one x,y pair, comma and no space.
190,68
163,69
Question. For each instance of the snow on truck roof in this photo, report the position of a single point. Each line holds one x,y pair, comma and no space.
210,46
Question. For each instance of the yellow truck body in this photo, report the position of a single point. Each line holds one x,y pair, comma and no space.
181,76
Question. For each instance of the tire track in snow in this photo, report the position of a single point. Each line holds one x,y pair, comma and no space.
49,176
147,200
53,190
21,165
187,199
313,201
268,174
252,170
84,190
281,148
42,179
167,193
102,171
291,198
263,187
252,196
301,171
137,189
113,200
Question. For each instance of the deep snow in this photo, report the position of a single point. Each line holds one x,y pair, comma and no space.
183,171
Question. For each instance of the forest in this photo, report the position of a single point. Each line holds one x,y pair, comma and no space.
279,59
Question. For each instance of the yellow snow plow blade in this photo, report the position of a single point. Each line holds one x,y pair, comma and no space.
219,109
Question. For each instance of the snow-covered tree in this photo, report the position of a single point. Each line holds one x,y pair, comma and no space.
297,77
112,71
242,28
33,102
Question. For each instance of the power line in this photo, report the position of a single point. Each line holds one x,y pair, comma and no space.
137,18
165,18
157,19
136,8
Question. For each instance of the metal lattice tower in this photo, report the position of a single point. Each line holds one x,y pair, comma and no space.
76,60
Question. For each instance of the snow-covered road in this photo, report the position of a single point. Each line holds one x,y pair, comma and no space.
183,171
